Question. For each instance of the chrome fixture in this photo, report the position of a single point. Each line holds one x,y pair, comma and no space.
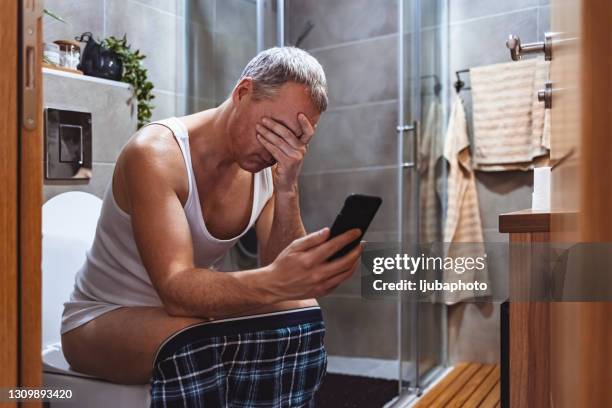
517,50
545,95
459,84
414,129
280,23
260,11
307,28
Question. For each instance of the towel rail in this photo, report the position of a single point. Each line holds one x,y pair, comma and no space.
459,84
517,49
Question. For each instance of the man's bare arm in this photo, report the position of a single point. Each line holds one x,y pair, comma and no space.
281,221
279,224
164,242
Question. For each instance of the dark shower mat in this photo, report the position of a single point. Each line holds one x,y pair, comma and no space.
352,391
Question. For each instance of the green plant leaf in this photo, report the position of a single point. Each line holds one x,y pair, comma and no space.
54,16
134,74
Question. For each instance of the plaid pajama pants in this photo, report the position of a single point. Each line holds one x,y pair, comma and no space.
271,360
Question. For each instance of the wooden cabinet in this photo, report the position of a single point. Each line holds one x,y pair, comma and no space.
527,333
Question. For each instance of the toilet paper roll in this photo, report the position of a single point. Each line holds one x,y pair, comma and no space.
540,199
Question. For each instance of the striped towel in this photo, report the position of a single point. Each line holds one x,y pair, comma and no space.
463,223
430,155
509,121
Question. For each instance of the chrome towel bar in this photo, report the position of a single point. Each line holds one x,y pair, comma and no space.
517,50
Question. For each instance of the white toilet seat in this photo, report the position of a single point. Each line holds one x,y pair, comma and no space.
88,390
69,224
94,393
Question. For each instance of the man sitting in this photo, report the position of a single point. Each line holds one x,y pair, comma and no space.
150,306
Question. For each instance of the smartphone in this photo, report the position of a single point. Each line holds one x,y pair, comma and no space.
358,212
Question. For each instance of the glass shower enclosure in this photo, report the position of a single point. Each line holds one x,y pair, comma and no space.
423,98
221,36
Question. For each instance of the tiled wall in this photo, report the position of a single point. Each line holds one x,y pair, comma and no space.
354,148
477,34
153,26
220,39
113,122
219,35
156,28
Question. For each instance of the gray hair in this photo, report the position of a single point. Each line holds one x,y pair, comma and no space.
272,68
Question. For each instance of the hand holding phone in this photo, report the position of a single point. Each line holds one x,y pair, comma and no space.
358,212
303,269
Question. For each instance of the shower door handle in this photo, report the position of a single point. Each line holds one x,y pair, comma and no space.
415,130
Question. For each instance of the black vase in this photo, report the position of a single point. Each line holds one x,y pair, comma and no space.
99,61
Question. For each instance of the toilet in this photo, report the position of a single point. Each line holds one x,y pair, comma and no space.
69,224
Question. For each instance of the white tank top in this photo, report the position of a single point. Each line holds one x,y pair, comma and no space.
113,275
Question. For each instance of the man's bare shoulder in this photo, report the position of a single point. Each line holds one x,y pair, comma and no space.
152,145
153,155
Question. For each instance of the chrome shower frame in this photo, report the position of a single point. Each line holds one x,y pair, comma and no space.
408,125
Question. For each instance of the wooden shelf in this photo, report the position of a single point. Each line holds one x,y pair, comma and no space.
525,221
63,69
79,76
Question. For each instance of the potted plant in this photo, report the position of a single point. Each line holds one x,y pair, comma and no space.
135,74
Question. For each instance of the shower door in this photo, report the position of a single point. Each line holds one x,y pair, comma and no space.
221,37
422,82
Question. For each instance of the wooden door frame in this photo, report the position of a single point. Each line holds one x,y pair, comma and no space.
30,225
8,198
21,164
